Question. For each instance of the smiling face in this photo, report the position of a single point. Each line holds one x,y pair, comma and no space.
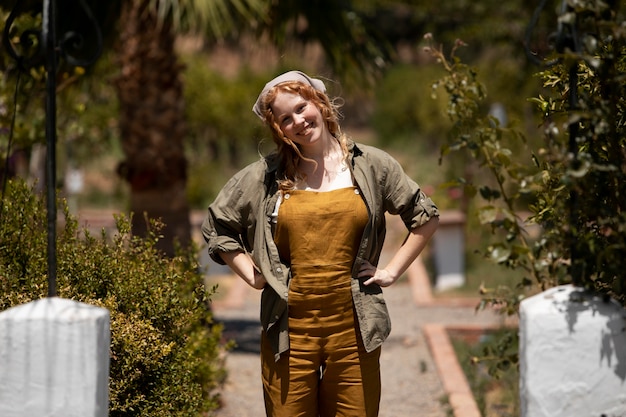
299,119
304,124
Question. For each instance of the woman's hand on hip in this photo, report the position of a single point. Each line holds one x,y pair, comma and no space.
373,275
242,264
258,281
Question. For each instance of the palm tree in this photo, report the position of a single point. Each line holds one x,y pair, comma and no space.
151,122
150,90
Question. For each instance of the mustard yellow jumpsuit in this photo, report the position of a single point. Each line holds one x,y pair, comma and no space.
326,371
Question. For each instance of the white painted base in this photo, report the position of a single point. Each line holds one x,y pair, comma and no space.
54,359
449,251
449,281
572,355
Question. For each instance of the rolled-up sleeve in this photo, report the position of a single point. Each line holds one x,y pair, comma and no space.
218,237
405,197
230,218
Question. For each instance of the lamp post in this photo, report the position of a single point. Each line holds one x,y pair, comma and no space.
50,47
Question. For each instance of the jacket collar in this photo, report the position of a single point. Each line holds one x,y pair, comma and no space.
354,149
272,162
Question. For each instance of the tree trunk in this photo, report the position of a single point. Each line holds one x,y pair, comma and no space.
152,125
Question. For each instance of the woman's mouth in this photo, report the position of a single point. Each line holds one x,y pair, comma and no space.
307,129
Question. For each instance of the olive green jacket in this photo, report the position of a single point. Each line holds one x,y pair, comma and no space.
240,219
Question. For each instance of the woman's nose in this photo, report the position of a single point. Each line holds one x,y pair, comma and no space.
298,119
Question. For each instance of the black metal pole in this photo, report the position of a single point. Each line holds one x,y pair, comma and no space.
568,40
49,40
48,53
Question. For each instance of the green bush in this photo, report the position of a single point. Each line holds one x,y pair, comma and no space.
573,184
165,351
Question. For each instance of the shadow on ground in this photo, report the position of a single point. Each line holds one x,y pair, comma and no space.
246,334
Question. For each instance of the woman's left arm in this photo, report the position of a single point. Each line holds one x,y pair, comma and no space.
413,245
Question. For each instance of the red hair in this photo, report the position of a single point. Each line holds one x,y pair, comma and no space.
288,151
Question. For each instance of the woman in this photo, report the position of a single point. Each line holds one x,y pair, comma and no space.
306,224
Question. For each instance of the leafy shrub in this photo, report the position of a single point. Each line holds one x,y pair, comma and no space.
575,181
165,351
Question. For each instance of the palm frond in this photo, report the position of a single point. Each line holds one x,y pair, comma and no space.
213,18
353,48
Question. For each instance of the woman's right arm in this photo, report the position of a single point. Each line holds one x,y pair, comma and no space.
230,220
242,264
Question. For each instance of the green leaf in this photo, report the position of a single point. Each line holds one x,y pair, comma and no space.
499,254
487,214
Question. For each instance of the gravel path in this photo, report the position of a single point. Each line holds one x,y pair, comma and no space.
410,381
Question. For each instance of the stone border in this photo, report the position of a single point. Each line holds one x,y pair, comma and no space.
450,372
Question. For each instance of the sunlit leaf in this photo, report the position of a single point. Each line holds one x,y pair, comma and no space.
487,214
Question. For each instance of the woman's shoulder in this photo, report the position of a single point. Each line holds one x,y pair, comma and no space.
371,153
251,181
248,184
258,169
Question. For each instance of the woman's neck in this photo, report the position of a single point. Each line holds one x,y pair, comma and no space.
326,148
325,168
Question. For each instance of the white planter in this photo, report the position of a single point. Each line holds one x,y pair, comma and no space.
54,359
572,355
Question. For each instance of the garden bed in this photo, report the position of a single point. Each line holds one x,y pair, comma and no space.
470,390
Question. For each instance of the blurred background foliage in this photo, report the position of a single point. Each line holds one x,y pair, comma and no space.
394,106
222,79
